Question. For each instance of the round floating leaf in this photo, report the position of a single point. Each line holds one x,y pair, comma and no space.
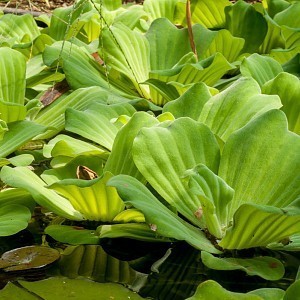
28,258
13,218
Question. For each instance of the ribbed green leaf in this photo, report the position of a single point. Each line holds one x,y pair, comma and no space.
291,36
22,177
128,52
72,235
12,112
129,215
96,124
233,108
17,29
259,225
205,12
120,160
12,76
92,198
53,115
261,68
289,244
287,87
18,134
21,160
261,162
243,21
225,43
163,153
160,9
160,35
266,267
212,290
163,220
214,195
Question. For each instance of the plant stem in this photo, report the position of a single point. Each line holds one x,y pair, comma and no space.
189,26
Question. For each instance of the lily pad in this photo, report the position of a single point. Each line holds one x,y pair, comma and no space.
28,258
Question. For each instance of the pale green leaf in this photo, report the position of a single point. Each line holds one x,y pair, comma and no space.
164,221
287,87
260,225
91,198
12,112
266,267
22,177
261,68
205,12
237,105
16,196
160,9
214,195
129,215
269,293
18,134
120,160
12,76
189,104
128,52
95,123
53,114
163,153
261,162
289,16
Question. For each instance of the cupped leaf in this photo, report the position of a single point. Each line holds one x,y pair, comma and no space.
12,76
129,215
233,108
266,267
243,21
287,87
120,160
261,68
260,225
22,177
73,235
16,196
13,218
212,290
18,134
291,243
12,112
261,162
92,198
163,153
205,12
214,195
163,221
96,124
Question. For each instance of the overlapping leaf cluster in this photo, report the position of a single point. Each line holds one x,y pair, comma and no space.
200,145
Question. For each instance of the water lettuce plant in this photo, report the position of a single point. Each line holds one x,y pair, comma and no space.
163,122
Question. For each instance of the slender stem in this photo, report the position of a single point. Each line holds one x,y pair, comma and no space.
189,26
